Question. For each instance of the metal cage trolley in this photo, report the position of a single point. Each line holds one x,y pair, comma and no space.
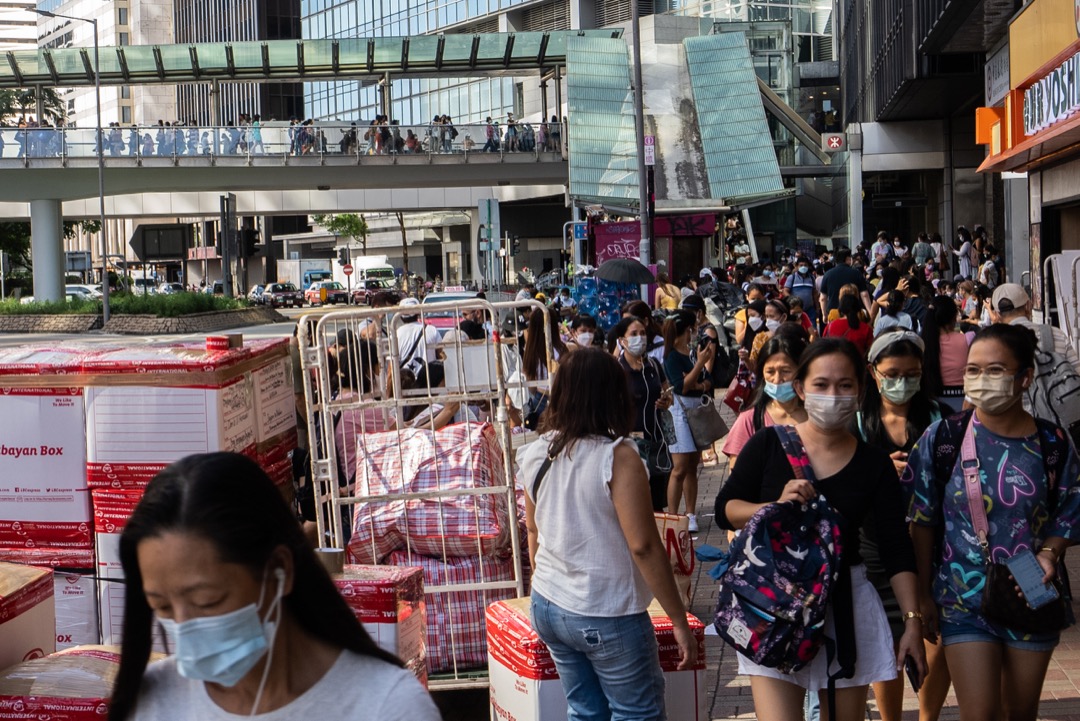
411,427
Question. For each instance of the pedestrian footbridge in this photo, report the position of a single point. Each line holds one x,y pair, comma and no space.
62,163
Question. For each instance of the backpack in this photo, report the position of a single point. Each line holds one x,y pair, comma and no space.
1055,391
784,571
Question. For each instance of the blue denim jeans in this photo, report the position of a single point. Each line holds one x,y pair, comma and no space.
609,667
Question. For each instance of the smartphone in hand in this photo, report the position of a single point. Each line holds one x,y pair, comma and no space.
912,673
1028,574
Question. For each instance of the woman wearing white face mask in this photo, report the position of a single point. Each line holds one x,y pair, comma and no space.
856,478
776,313
651,397
895,411
1027,471
755,323
257,626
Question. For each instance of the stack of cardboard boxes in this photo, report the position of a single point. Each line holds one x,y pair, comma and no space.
84,428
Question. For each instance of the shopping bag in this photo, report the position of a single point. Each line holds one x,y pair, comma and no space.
674,531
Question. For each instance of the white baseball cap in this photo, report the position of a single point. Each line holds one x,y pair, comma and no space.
409,302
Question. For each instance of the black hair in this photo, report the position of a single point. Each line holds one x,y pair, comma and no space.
921,410
894,303
850,306
832,346
890,278
841,255
583,320
942,317
358,362
228,500
791,345
534,356
675,326
1020,340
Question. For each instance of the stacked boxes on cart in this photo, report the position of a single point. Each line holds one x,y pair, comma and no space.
456,537
83,429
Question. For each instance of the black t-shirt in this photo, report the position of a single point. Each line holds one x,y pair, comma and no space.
837,278
645,387
868,483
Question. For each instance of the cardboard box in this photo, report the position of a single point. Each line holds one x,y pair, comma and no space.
27,613
76,596
525,685
44,501
389,602
112,508
72,685
142,427
275,401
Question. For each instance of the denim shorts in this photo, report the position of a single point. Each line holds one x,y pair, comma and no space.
965,631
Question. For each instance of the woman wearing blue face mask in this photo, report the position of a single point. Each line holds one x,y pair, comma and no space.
896,409
775,403
214,553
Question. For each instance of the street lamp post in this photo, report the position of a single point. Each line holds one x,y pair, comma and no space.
100,158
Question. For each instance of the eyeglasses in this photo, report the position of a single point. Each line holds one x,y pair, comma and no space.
993,372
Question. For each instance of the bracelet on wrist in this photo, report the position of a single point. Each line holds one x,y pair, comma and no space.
913,615
1053,552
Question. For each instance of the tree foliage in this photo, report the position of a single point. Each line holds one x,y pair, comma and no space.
346,225
15,238
22,102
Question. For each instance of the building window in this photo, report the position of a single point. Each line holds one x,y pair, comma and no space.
124,37
121,16
125,114
125,92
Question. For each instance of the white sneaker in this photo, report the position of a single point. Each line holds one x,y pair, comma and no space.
693,522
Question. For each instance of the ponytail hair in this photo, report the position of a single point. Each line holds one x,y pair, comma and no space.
675,326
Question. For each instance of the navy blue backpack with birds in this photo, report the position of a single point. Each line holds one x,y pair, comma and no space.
784,569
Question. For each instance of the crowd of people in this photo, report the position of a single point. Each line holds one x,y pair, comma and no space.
244,136
873,386
884,360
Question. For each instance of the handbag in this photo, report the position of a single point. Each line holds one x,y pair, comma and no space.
738,393
706,425
1000,602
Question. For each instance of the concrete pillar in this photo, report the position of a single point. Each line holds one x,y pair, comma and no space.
47,247
474,245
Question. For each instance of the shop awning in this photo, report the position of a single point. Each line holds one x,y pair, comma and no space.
1052,145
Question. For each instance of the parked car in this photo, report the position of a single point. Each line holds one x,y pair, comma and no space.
362,294
87,292
279,295
171,288
215,288
143,286
255,293
335,293
445,320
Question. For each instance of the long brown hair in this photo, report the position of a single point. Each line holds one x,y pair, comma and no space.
589,397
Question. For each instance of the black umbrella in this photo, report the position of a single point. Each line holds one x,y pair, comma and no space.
625,270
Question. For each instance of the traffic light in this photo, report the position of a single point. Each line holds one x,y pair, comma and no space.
515,245
343,256
249,238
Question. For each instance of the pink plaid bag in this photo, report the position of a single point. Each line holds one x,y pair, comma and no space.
415,460
456,628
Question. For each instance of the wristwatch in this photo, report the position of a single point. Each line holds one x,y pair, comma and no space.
912,614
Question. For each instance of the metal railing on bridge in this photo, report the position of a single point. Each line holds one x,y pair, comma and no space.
281,140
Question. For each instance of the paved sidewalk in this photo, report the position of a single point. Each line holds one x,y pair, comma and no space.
729,694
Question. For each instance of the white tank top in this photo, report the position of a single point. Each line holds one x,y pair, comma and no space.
583,563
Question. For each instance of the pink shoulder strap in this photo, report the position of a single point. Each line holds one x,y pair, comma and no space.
969,464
